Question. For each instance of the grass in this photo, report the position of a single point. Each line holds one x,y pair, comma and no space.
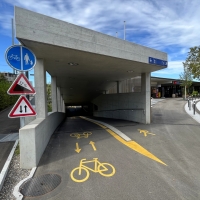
17,150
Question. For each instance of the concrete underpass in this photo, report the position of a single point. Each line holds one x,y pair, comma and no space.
83,65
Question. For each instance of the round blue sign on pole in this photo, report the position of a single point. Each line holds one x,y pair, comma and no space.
20,58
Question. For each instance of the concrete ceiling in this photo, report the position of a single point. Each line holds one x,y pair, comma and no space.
93,75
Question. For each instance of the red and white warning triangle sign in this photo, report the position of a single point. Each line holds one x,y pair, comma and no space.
21,86
22,108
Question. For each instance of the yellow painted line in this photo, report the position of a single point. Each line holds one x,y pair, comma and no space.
92,143
131,144
77,148
136,147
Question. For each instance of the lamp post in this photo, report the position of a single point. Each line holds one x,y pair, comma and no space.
124,30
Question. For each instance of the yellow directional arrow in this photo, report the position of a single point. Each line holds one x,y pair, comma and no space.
92,143
77,148
131,144
145,132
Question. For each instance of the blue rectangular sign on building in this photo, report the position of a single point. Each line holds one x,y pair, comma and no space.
156,61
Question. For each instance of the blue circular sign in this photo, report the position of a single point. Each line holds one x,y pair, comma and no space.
20,58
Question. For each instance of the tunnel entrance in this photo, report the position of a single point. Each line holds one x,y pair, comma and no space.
79,110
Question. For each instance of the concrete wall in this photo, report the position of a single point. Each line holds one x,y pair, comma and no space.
34,138
37,27
127,106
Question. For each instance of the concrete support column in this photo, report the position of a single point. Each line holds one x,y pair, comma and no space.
54,94
63,106
58,99
119,88
61,103
163,92
145,89
40,87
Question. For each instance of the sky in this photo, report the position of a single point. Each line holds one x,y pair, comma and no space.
171,26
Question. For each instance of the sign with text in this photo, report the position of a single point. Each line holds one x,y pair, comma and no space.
156,61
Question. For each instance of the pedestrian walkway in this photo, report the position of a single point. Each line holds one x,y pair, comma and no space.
198,105
190,112
155,101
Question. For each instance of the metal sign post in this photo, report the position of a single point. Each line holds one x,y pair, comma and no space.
22,122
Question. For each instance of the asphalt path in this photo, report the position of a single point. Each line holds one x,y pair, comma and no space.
7,126
5,149
173,137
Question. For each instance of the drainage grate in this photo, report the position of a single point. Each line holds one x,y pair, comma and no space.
40,185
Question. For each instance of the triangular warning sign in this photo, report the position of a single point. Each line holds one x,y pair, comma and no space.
22,108
21,86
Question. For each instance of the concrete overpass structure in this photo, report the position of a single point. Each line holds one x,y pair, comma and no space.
83,65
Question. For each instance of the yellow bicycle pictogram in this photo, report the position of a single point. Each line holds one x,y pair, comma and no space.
81,173
81,135
145,132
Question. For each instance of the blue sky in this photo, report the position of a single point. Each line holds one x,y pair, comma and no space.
171,26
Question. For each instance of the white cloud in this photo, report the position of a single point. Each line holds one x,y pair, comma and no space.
167,22
165,25
175,68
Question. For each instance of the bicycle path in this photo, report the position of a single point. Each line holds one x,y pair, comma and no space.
173,137
9,129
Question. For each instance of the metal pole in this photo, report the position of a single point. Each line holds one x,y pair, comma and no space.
189,105
22,122
13,42
124,30
194,104
27,75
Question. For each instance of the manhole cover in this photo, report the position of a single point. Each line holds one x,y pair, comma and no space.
40,185
158,114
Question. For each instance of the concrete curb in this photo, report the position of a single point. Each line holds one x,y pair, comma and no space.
16,191
118,132
198,106
4,171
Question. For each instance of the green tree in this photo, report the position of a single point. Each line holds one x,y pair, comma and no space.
5,99
49,101
193,62
2,78
186,77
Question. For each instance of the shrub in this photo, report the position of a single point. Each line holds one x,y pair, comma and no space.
5,99
195,93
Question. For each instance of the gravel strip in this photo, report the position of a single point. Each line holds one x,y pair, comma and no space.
14,176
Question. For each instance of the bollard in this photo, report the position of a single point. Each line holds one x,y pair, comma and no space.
194,104
188,101
189,105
